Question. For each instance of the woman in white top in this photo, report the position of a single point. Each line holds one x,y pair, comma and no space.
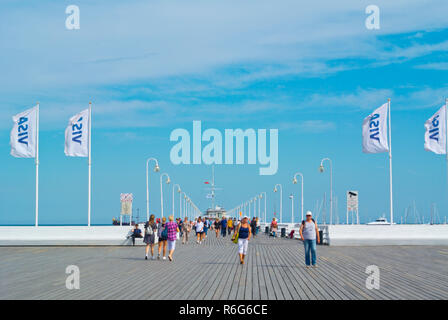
309,233
199,230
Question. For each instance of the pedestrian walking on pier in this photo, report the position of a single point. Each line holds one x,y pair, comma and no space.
162,233
224,226
206,227
199,230
186,228
172,230
243,233
216,225
274,227
253,226
150,236
229,226
309,233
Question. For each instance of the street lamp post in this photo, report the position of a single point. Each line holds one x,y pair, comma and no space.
161,190
295,182
178,190
255,206
185,205
281,200
261,196
291,196
250,201
321,169
156,169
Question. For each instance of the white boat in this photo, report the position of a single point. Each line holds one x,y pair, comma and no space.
380,221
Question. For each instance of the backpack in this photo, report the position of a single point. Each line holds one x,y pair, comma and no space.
148,229
303,222
164,234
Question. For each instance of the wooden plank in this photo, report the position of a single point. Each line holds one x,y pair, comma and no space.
274,269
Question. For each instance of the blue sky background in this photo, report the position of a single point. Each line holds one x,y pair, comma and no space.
310,69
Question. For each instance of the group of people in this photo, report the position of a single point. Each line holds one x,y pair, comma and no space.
241,230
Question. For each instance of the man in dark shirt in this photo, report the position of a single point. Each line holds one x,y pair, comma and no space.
136,233
223,226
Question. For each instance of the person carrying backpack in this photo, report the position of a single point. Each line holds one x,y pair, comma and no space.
162,233
309,233
150,236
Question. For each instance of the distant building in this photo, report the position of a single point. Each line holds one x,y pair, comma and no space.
217,212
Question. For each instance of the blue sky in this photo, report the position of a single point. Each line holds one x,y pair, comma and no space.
312,70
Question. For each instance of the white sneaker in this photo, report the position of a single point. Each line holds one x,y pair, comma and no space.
153,258
164,258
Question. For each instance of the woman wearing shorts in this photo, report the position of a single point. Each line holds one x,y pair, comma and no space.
199,230
150,236
163,237
172,230
216,225
244,235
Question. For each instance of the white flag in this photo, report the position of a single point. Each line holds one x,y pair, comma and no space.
77,135
24,133
374,131
435,134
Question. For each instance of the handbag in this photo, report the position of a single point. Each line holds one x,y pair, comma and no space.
235,238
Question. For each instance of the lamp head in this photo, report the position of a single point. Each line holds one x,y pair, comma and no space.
321,168
156,168
275,189
168,180
294,180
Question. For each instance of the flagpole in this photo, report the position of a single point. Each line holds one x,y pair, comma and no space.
90,164
390,168
37,165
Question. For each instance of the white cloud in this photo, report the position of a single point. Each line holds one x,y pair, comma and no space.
124,43
433,66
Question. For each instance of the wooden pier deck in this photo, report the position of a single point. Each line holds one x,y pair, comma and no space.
274,270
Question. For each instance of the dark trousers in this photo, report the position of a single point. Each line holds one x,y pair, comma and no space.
135,236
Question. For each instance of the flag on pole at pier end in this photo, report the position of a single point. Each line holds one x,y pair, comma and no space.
77,135
24,134
435,132
374,131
